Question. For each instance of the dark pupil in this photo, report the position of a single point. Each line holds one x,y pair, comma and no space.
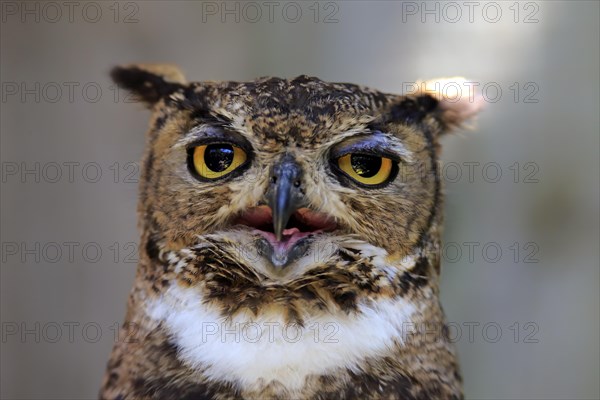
365,166
218,157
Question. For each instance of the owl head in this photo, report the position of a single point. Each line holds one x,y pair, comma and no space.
298,194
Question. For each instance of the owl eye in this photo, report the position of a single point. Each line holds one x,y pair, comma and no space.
366,169
216,160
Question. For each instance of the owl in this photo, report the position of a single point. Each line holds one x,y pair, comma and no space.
290,242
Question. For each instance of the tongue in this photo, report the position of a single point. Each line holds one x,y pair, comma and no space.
282,250
290,232
289,238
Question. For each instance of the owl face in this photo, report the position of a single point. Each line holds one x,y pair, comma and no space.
287,191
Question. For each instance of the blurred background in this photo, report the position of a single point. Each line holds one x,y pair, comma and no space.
520,281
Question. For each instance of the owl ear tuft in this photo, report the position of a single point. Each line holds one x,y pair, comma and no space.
148,82
450,101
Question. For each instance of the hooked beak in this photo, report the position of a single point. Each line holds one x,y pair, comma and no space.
285,222
286,193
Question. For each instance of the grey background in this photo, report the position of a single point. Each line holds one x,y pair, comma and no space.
375,44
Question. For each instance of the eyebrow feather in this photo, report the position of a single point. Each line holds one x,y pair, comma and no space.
368,141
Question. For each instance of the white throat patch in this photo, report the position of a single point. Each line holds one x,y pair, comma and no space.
253,351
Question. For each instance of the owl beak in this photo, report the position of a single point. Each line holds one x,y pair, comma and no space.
285,194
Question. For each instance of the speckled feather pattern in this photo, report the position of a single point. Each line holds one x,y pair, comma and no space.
386,247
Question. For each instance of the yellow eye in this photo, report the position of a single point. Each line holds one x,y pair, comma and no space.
215,160
366,169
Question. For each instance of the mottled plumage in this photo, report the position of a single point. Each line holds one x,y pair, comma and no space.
364,269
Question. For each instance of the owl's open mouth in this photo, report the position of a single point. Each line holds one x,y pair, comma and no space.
302,225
